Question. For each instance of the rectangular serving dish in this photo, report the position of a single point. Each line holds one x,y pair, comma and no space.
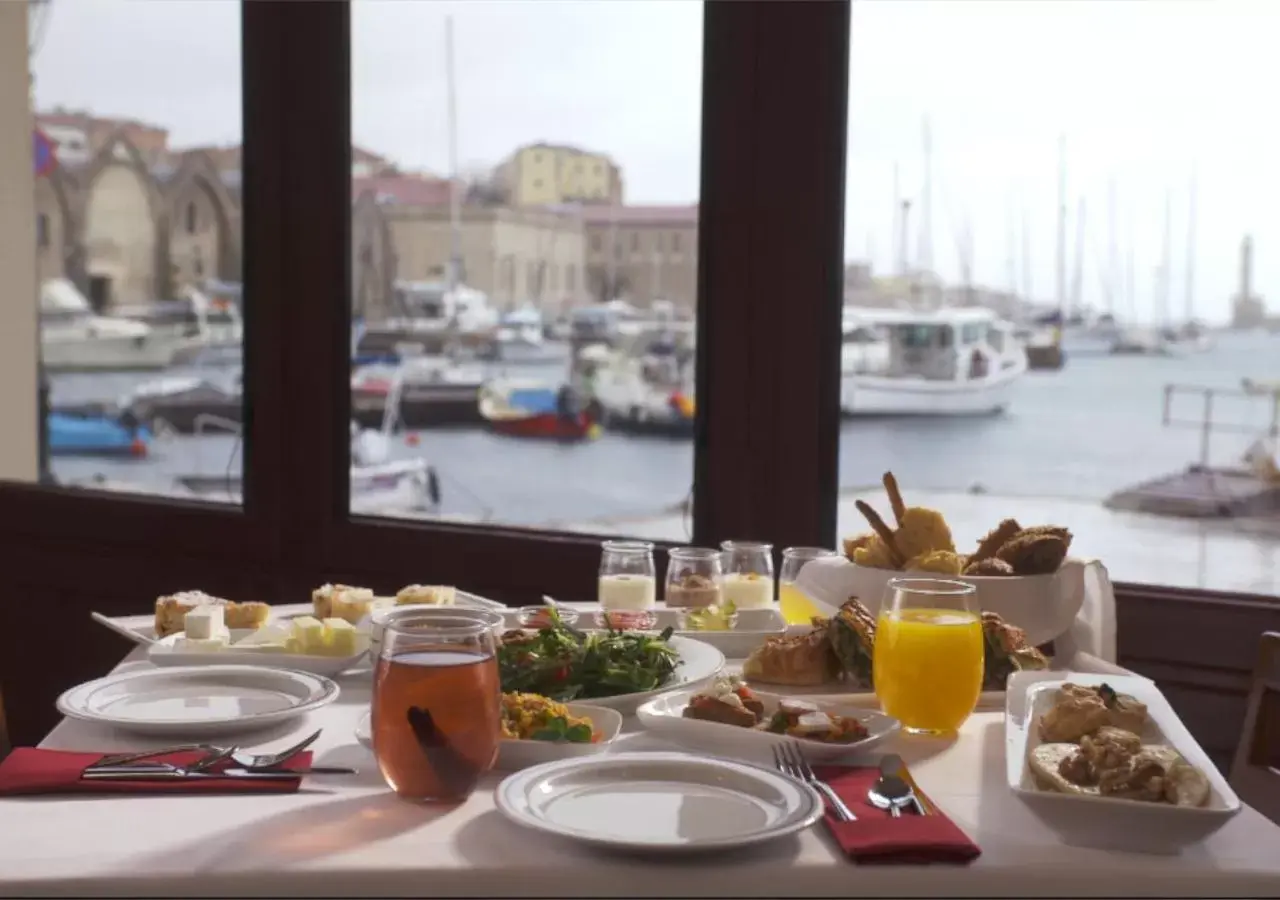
164,652
1107,822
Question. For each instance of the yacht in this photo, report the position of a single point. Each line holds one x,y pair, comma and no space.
75,338
864,347
434,319
951,362
197,325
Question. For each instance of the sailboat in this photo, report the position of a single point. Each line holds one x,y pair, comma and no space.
1191,336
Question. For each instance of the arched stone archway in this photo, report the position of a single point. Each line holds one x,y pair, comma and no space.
124,258
203,242
57,230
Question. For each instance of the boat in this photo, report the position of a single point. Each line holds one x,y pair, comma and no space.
177,404
644,384
433,392
521,326
948,362
90,432
434,320
532,409
200,328
73,338
864,347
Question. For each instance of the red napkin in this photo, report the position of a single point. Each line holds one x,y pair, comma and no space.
878,837
30,770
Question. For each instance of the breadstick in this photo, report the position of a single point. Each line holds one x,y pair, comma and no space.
884,531
895,497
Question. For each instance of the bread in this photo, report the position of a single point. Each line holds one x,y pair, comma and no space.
797,661
171,612
429,594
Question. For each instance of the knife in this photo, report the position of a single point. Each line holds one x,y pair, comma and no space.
180,775
892,766
237,771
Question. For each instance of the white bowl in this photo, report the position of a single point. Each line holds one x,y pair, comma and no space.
1107,822
513,754
1044,606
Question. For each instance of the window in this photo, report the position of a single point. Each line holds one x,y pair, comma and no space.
1109,237
118,253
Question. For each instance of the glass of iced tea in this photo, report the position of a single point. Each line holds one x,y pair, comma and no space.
437,702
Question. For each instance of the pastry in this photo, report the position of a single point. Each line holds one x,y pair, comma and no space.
431,595
1035,551
851,634
799,660
338,601
171,612
1006,651
995,539
988,567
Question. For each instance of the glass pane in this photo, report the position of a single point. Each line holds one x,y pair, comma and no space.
125,119
1051,279
524,262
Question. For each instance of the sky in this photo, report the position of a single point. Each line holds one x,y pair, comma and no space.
1150,96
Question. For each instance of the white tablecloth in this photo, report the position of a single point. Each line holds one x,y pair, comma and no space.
350,836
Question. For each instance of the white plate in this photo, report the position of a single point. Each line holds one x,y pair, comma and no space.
1107,822
698,662
198,700
665,715
658,802
164,652
514,755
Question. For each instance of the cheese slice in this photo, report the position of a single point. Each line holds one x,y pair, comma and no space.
309,633
204,623
200,645
340,637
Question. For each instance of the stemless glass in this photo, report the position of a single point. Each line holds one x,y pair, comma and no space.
748,574
694,575
437,702
628,587
928,658
793,603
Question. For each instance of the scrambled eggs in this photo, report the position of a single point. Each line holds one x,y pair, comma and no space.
532,717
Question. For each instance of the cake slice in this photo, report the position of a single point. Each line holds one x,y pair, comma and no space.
428,594
340,601
171,612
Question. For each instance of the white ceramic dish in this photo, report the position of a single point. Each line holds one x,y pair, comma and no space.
669,803
1105,822
164,652
1045,606
754,627
197,701
664,715
514,755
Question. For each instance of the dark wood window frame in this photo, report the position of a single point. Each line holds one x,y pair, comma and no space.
770,247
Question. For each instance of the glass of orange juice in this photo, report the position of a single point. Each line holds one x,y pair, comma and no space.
793,603
928,658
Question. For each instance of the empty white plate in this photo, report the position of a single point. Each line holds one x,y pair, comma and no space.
658,802
198,700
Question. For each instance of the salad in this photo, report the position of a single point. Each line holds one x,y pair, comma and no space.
564,664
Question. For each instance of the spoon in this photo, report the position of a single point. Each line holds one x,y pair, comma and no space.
890,792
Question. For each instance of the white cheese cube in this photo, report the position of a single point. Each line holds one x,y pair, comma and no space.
204,623
309,633
200,645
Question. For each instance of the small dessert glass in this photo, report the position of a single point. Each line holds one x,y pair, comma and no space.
748,574
694,576
628,586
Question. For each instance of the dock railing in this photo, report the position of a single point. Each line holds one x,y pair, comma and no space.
1207,424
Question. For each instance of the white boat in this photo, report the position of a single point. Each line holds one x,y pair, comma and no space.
75,338
864,348
645,383
1091,337
951,362
521,326
197,325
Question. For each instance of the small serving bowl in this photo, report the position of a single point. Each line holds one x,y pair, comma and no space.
540,616
627,619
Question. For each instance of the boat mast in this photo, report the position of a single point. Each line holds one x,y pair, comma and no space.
924,263
1166,262
1011,247
1113,249
455,197
1062,229
1027,286
895,240
1077,277
1190,311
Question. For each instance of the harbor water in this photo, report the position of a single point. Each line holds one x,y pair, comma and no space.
1079,433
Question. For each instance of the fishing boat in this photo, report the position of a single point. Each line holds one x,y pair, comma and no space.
432,392
89,433
947,362
176,404
529,409
644,384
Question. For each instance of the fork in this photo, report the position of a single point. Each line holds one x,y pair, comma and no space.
789,759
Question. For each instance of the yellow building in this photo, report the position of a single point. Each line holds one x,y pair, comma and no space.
553,174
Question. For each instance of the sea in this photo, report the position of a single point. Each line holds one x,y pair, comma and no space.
1094,427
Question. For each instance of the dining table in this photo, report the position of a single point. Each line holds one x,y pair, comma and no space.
349,835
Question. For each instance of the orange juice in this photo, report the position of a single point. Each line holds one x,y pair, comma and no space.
795,605
928,666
